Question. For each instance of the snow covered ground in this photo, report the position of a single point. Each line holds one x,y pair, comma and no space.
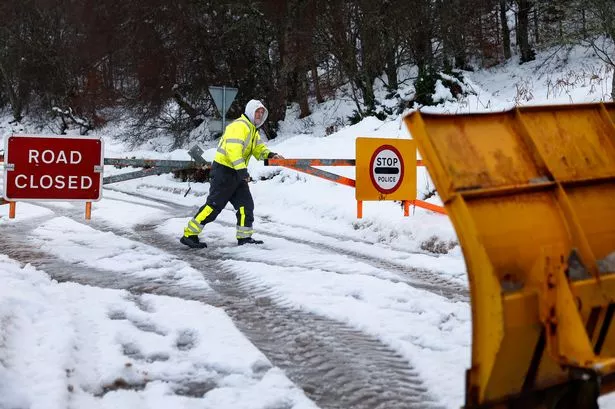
67,342
66,345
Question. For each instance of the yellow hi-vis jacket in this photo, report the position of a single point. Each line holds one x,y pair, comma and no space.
241,140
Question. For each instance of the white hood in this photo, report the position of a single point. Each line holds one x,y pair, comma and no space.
251,108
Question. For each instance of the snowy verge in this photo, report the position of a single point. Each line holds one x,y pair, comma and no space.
60,349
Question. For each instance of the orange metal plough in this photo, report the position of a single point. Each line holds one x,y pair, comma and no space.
531,194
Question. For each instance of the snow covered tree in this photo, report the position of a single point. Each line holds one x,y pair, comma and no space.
603,11
526,51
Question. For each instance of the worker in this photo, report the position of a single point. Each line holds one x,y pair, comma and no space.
229,176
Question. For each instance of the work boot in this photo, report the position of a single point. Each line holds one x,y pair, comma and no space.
192,242
248,240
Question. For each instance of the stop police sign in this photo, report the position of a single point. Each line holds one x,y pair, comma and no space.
386,169
53,168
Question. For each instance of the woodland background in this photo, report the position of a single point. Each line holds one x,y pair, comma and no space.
80,61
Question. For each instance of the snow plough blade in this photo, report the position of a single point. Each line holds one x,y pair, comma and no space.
531,193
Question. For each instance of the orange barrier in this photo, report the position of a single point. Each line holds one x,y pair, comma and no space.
299,165
429,206
306,166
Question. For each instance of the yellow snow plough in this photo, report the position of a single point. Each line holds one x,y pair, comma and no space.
531,193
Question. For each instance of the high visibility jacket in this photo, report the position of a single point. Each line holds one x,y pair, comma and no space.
240,141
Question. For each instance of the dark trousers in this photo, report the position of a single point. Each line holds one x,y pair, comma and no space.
225,186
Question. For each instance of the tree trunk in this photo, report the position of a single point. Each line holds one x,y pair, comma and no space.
459,37
505,30
365,84
302,95
389,52
517,29
188,109
285,66
536,33
527,53
613,86
316,81
391,69
421,44
14,99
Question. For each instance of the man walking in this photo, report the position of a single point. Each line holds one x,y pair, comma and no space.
229,176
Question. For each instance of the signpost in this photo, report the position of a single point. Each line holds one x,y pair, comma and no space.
223,98
53,168
386,170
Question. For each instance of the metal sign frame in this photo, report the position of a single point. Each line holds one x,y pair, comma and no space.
98,169
223,98
366,151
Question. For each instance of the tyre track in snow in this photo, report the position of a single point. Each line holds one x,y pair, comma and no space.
421,278
338,367
264,220
17,246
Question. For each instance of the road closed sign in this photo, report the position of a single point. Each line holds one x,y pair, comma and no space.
53,168
386,169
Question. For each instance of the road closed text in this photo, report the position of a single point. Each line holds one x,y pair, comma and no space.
53,182
37,158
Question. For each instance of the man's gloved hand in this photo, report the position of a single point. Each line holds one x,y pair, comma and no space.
273,155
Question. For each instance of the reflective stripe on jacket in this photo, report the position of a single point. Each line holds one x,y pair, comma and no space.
240,141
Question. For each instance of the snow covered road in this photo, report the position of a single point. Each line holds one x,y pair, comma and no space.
333,320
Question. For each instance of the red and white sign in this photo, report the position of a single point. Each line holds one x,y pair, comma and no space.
386,169
53,168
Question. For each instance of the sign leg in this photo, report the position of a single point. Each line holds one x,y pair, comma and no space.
88,210
406,208
12,206
359,209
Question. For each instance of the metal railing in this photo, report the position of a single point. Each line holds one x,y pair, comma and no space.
307,166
